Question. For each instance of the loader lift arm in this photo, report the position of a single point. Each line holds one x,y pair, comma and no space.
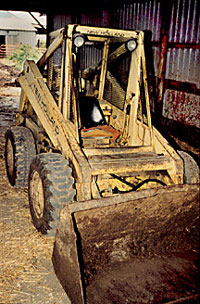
61,132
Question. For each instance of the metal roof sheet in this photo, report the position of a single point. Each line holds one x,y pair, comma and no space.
8,21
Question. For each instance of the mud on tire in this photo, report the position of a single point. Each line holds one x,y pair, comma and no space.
19,152
50,186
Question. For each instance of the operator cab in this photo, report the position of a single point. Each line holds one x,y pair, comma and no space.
103,87
101,72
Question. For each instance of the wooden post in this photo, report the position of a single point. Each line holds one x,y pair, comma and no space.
165,22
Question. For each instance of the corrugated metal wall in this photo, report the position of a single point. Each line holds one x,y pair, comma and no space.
143,16
181,94
21,37
140,15
183,63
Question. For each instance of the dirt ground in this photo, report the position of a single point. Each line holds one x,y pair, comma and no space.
26,272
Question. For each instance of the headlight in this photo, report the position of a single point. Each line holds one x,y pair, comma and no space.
78,40
131,45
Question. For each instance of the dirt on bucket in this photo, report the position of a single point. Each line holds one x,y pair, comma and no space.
157,280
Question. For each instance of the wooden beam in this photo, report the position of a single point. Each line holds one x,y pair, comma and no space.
161,70
165,11
38,22
186,87
178,45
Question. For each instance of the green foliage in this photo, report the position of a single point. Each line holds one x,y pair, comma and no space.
24,52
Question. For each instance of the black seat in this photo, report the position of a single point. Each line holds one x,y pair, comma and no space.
90,112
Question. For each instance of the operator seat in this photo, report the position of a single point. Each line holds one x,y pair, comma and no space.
90,112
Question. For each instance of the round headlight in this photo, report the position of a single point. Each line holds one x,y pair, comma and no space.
131,45
78,40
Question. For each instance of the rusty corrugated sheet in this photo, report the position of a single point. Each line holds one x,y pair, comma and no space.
182,107
182,63
184,28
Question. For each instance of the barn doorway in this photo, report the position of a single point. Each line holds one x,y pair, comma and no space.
2,42
2,39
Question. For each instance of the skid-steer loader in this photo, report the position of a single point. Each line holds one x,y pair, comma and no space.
84,143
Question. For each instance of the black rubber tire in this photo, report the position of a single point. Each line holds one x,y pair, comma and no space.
50,187
191,169
19,153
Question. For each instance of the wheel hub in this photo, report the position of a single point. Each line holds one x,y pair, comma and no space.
37,194
10,158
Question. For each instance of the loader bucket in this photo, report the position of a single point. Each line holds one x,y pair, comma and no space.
138,247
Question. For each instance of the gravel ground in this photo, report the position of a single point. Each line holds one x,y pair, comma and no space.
26,271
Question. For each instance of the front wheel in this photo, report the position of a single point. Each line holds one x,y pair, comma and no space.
50,186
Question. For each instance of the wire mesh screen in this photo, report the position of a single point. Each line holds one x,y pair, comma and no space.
113,92
117,80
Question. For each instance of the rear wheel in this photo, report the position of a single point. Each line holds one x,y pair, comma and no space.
19,152
50,186
191,169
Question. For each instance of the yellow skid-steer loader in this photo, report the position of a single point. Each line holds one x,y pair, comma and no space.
85,146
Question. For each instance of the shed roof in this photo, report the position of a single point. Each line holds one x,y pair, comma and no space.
9,21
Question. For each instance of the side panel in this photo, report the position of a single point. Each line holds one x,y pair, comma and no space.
65,248
161,146
139,130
